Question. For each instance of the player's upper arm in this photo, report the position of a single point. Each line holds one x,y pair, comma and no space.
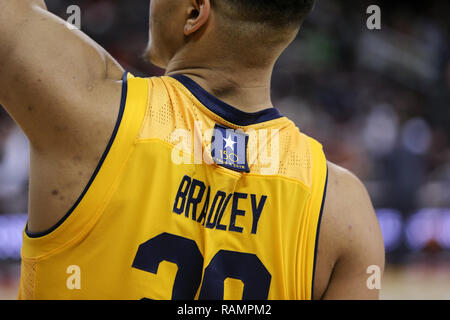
53,79
350,240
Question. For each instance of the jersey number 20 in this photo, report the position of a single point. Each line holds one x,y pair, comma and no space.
186,255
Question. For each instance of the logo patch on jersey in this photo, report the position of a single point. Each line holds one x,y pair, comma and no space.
229,148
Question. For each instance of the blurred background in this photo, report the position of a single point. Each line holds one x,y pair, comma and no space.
378,100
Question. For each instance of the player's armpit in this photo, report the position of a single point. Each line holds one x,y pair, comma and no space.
64,91
351,250
54,81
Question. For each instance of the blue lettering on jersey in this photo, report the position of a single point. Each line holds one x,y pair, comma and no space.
192,192
229,148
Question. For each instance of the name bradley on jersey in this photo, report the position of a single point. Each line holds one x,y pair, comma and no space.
192,192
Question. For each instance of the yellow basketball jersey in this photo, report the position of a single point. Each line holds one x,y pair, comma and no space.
193,199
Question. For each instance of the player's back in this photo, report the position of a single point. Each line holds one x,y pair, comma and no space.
192,199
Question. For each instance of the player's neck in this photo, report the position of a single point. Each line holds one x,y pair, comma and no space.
247,89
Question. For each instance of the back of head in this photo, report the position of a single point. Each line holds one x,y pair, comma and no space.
254,32
272,13
269,25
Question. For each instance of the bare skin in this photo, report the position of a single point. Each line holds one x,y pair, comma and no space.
67,105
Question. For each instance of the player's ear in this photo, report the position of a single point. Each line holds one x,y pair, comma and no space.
198,15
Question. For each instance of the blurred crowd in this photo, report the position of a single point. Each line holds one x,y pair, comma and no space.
378,100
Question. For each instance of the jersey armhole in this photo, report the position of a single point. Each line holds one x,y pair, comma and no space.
319,183
97,169
88,208
316,244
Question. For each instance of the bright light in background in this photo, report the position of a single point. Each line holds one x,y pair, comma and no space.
381,130
443,236
11,228
391,224
428,225
416,136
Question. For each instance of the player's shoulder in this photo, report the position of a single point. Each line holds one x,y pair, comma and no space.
347,196
344,182
349,228
349,215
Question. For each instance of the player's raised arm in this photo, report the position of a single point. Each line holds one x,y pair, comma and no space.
351,250
52,77
64,91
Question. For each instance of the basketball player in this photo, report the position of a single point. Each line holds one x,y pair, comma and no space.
117,210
